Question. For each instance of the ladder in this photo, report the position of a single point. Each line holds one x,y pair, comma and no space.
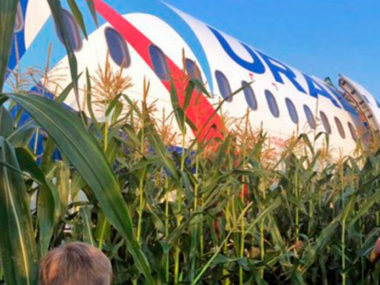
358,100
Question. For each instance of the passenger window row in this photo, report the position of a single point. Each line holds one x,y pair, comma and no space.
120,54
119,50
225,91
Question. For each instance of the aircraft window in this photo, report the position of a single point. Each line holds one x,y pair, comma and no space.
292,110
340,128
272,103
249,95
72,31
224,85
159,62
19,21
118,48
310,117
325,122
352,131
193,70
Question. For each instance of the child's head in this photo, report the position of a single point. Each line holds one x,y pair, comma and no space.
75,263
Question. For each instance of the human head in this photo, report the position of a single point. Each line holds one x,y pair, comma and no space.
75,263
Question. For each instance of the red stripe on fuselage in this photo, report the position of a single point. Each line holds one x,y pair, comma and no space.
200,110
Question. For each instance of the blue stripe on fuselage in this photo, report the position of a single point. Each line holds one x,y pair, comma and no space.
280,71
18,41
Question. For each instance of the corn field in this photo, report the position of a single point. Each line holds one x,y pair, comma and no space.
224,212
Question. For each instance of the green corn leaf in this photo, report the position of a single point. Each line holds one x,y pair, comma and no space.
112,105
63,185
368,244
201,88
178,111
366,206
46,204
21,136
6,123
87,225
56,10
62,97
89,100
17,244
47,216
82,150
262,215
91,6
78,16
160,149
188,94
7,23
3,99
28,164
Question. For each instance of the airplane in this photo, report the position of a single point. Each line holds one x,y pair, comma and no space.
155,41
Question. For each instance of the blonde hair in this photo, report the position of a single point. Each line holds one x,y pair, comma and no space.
75,263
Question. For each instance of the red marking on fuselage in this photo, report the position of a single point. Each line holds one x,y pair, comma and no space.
200,112
275,85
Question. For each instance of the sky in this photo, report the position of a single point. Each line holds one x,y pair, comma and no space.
321,38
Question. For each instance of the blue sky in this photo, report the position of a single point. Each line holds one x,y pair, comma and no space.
322,38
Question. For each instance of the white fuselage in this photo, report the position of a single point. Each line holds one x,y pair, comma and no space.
215,53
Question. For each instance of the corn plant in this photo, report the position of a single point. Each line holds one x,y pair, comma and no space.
192,213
